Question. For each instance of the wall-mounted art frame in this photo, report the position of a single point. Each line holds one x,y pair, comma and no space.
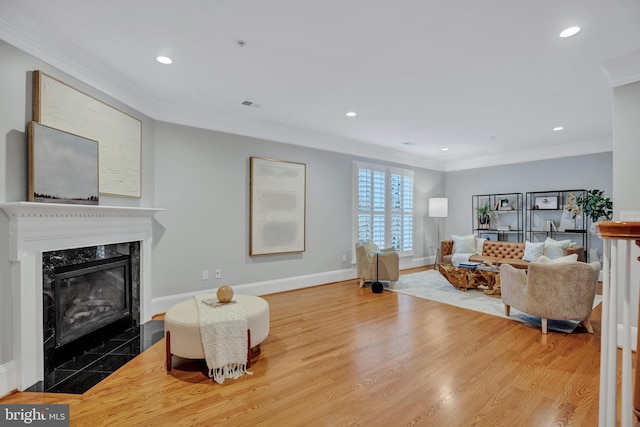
119,135
277,206
63,168
546,202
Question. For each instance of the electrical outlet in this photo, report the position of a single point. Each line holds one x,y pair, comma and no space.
344,258
218,273
205,274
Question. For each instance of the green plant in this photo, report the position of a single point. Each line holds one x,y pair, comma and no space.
484,213
596,206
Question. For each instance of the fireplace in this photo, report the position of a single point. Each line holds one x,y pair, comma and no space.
38,229
89,295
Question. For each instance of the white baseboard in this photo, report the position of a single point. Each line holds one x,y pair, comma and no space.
416,262
7,378
162,304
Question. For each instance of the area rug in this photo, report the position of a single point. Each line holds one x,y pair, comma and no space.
433,286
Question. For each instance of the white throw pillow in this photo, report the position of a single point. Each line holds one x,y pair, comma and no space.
371,248
555,248
480,245
532,251
464,244
568,258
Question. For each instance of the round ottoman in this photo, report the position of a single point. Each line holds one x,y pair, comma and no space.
182,330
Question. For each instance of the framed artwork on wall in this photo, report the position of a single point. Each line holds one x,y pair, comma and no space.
119,135
277,207
546,202
63,168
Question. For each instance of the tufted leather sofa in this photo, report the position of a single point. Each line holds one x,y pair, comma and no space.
501,252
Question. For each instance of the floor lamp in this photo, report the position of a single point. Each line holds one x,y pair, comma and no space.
438,208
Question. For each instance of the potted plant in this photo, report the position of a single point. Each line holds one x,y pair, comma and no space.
484,215
596,206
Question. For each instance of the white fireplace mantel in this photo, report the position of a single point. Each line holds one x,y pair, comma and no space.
35,228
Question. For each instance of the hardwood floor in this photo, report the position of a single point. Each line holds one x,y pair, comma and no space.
339,355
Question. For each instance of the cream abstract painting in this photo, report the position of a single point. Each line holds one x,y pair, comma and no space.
278,206
119,135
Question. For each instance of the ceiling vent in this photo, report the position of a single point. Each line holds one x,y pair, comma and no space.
251,104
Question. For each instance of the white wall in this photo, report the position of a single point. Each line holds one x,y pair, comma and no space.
202,180
626,147
568,173
201,177
16,69
626,175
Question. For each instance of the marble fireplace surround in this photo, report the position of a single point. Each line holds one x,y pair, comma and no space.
35,228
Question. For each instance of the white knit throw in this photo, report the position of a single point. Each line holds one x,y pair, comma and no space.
223,329
457,258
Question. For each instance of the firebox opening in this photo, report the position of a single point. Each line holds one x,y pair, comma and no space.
92,300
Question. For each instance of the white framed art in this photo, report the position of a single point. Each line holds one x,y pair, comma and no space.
63,168
119,135
277,207
546,202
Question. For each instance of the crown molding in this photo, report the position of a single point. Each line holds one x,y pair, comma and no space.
57,54
619,71
623,69
47,50
255,128
576,149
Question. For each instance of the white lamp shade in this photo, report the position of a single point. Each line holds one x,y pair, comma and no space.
439,207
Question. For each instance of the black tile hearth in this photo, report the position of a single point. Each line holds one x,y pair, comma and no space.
83,372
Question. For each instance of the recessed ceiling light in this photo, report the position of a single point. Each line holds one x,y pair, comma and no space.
445,149
409,143
164,60
557,128
571,31
351,114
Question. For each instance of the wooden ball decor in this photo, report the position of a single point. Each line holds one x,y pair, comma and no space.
224,294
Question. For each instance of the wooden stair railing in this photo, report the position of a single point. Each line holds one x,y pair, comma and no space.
616,287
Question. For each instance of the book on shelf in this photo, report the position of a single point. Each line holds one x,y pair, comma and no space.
549,225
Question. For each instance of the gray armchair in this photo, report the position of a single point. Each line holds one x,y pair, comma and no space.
388,268
560,291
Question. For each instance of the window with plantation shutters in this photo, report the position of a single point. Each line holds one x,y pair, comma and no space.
383,209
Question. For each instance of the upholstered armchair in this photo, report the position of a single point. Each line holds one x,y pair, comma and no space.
388,263
560,291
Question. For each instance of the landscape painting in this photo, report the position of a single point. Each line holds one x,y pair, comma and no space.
63,168
60,106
